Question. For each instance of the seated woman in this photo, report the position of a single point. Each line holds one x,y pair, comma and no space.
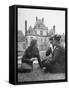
31,52
57,62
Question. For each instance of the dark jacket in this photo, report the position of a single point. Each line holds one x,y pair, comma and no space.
31,52
58,55
57,63
58,60
48,52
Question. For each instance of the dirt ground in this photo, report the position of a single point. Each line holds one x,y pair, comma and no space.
38,75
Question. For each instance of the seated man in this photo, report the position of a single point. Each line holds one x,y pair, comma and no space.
57,62
49,51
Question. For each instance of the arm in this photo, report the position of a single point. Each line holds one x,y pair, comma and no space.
25,56
56,56
38,57
49,51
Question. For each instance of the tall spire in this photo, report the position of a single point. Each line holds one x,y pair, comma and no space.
25,27
36,18
54,28
42,19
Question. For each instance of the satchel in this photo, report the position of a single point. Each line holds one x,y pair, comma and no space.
26,66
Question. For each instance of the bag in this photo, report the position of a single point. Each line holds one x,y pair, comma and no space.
26,66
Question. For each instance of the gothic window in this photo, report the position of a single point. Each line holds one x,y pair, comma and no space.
41,33
35,32
39,25
41,40
41,44
31,38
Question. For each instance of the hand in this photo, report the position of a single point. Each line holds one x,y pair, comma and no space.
33,59
49,58
48,61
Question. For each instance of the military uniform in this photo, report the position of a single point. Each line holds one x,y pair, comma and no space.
57,62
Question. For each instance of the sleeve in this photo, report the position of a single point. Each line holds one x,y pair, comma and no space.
38,57
25,55
56,56
49,51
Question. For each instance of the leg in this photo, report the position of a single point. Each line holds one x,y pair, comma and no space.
48,66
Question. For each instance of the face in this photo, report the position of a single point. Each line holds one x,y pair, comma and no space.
54,42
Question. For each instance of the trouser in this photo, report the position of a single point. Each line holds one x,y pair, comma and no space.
28,62
47,65
54,68
26,66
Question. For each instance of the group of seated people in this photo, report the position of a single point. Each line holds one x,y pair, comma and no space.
53,64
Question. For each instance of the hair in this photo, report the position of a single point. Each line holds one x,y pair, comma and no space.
33,43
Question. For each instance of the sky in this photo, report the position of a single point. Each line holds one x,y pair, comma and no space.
51,17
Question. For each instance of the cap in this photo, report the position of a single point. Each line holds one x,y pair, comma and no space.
57,37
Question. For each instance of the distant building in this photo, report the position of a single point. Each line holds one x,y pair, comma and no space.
21,41
40,32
